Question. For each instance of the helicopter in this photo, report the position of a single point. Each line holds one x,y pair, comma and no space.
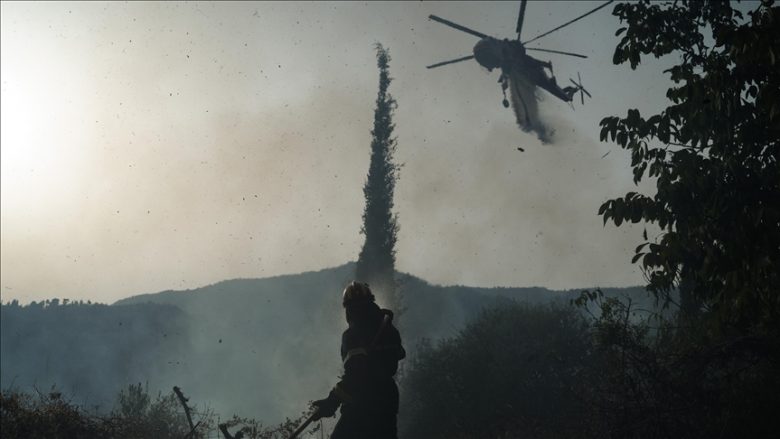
520,72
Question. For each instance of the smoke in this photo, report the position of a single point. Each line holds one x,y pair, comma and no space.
189,150
524,102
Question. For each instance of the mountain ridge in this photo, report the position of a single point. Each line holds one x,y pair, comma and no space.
260,348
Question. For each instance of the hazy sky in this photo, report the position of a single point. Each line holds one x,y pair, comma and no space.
152,146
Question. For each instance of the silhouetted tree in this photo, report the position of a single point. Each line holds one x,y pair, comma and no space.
714,154
376,263
512,372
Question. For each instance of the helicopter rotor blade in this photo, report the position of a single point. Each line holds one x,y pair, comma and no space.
452,61
556,51
457,26
520,18
568,22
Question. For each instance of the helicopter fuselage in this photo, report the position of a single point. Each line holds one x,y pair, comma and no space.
510,56
493,53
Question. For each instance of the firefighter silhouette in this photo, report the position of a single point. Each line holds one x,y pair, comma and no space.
370,349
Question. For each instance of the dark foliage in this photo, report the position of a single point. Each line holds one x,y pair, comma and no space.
48,416
714,154
516,371
661,380
139,416
376,262
711,370
136,416
52,416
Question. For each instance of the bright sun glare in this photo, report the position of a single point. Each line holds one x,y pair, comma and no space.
42,138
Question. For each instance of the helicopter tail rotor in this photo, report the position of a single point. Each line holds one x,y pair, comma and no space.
580,88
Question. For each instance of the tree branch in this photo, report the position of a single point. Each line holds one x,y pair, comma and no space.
183,401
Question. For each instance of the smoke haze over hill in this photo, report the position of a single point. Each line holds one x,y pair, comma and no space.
260,348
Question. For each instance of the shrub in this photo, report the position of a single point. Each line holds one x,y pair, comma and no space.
516,371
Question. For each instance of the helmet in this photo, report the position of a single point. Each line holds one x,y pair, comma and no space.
357,291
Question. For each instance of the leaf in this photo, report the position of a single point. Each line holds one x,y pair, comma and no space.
663,131
640,247
622,139
633,116
617,57
634,58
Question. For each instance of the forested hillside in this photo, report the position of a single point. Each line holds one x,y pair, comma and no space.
260,348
